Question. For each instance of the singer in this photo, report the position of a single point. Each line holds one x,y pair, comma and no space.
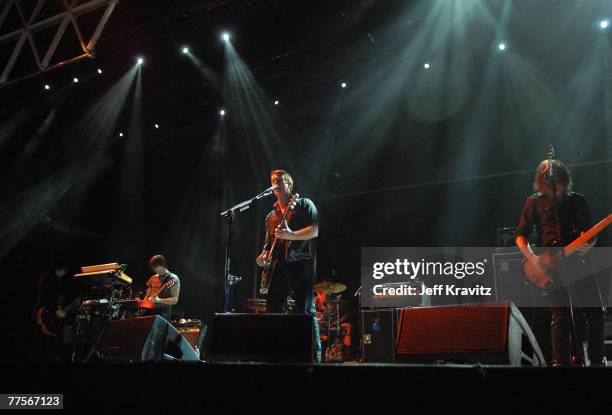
558,216
295,251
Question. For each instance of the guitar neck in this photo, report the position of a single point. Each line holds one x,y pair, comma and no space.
283,223
588,235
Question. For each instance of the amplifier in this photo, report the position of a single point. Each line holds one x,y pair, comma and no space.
378,330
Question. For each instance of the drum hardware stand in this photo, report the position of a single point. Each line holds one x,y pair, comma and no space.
233,279
109,317
229,216
112,309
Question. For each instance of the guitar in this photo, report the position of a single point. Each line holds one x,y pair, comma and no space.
544,278
268,271
148,301
49,322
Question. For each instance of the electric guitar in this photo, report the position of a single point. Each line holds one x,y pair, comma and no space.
49,322
268,271
545,277
148,301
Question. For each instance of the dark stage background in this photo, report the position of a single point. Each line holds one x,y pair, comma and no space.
403,156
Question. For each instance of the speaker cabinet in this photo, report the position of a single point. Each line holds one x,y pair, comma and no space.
378,328
143,339
262,338
494,333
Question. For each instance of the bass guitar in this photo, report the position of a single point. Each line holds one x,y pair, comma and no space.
49,321
543,277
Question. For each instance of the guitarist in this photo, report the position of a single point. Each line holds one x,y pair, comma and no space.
57,293
568,219
294,251
163,289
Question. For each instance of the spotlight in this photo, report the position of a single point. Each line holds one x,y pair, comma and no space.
120,134
225,36
501,46
156,125
140,61
343,85
47,87
75,80
426,66
276,102
99,71
222,113
604,24
185,50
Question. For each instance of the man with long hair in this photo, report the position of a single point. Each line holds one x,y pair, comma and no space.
558,215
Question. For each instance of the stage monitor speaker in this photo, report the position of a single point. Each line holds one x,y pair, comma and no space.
378,329
144,339
493,333
262,338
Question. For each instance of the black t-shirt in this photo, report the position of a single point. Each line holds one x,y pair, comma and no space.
539,213
55,292
157,281
303,214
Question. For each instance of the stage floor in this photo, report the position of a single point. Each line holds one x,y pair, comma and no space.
255,387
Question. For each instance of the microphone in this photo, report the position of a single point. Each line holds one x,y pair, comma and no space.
550,166
551,156
270,189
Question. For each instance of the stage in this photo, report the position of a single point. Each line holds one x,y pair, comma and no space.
282,181
258,387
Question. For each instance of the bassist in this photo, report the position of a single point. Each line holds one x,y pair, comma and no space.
558,218
294,251
57,294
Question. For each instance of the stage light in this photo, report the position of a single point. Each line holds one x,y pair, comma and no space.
99,71
426,66
222,113
185,50
47,87
225,36
156,125
120,134
276,102
343,85
75,80
140,61
501,46
604,24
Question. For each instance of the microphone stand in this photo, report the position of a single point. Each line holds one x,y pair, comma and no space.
552,181
229,216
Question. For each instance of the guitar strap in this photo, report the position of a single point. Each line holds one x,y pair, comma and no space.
289,216
573,207
164,281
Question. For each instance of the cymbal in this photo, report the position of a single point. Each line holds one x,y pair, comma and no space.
329,287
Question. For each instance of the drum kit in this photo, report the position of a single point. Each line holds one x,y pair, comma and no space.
331,316
333,319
